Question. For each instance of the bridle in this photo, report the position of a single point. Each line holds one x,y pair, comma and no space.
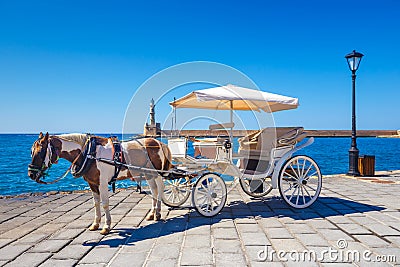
41,170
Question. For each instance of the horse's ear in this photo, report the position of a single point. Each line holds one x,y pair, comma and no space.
40,135
46,136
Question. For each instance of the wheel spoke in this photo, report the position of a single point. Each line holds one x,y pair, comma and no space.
169,197
311,187
205,189
215,201
202,193
167,190
291,175
302,169
305,189
209,206
205,201
293,194
302,193
298,167
298,195
178,196
218,189
294,172
311,175
182,191
290,187
201,197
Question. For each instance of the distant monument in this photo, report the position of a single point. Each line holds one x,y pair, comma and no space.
153,128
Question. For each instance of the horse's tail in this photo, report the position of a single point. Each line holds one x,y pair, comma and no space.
167,157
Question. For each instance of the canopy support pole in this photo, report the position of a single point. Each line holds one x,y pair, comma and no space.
231,131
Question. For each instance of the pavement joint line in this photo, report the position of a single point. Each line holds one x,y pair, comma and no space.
179,260
373,234
242,246
212,244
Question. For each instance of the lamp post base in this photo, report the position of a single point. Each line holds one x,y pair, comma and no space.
353,162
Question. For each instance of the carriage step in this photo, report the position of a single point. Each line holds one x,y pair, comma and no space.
178,173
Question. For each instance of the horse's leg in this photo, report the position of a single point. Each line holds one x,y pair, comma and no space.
160,190
105,202
153,190
96,202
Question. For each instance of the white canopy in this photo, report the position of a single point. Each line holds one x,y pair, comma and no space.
231,97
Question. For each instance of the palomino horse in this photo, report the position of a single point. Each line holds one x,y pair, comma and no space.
147,153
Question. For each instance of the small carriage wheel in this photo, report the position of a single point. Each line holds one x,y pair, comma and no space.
256,187
300,181
176,192
209,194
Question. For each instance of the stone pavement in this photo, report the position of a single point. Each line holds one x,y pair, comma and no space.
354,222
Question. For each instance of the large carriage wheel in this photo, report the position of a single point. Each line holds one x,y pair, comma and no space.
176,192
300,181
209,194
256,187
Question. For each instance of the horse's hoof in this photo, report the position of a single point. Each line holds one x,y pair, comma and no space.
94,227
150,217
105,231
157,217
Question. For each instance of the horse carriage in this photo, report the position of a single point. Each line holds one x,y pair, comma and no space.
264,161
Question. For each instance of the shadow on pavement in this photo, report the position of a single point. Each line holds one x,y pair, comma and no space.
324,207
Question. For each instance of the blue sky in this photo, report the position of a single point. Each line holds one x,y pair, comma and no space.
73,66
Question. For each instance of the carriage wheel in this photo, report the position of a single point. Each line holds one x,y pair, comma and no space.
209,194
300,181
256,187
176,192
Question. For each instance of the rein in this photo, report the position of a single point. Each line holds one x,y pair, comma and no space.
56,180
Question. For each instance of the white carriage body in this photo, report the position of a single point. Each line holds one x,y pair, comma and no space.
216,158
263,155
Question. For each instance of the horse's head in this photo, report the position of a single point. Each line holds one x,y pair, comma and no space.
41,153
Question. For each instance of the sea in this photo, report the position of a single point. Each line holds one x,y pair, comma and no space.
331,154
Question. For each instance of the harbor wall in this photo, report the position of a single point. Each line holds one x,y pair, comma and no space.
310,133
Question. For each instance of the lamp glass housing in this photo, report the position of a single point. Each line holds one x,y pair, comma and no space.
354,59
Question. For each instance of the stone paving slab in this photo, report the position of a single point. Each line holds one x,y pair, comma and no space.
351,216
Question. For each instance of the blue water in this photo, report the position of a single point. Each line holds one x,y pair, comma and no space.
331,154
15,155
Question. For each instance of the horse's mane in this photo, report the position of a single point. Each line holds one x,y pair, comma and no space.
74,137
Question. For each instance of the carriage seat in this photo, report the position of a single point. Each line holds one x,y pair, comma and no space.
208,147
256,148
266,138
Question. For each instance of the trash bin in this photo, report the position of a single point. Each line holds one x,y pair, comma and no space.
366,165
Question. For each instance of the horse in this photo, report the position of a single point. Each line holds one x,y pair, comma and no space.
148,153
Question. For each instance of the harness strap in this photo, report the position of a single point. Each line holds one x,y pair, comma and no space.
118,159
144,170
88,149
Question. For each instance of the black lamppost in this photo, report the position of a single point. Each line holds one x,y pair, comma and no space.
353,59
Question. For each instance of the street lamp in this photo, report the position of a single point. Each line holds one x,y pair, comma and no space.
353,59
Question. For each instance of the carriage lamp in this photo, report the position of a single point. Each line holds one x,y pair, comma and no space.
353,60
